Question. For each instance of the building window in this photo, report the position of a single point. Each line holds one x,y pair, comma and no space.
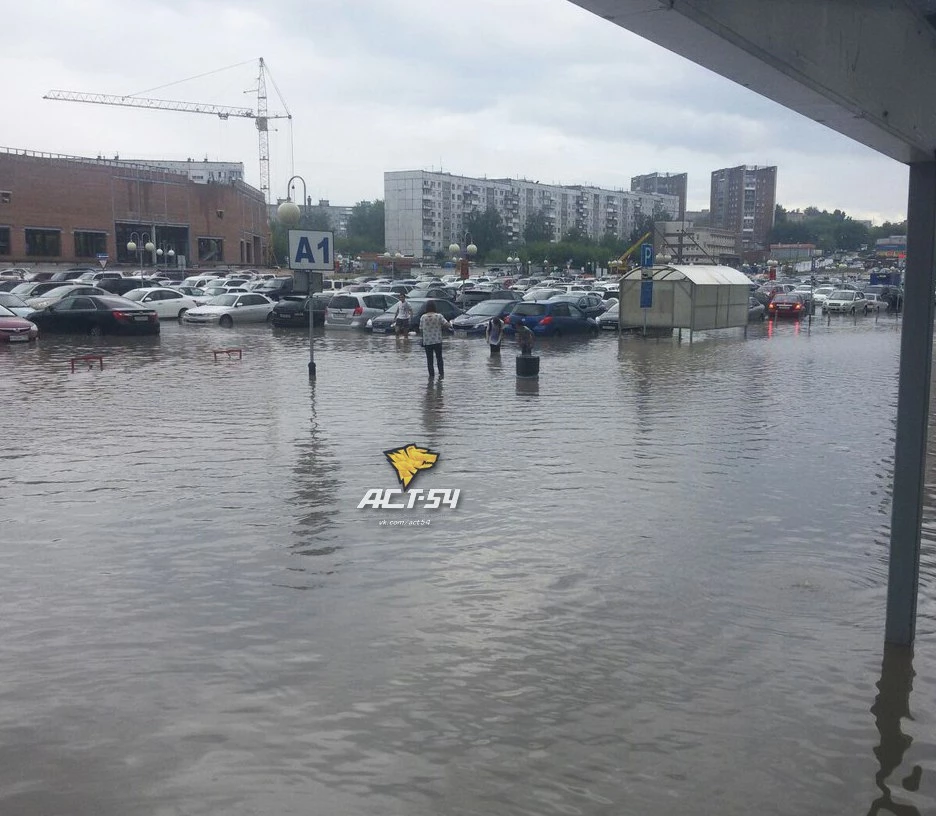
210,249
43,243
4,240
5,196
90,244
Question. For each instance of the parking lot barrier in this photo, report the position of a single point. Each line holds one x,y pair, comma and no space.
89,359
229,352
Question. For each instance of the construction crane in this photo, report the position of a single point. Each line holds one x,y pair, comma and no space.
622,261
261,115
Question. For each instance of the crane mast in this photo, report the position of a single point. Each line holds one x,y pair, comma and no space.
261,115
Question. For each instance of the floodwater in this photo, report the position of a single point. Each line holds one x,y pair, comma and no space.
662,589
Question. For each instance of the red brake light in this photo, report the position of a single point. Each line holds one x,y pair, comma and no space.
546,321
798,306
358,310
118,315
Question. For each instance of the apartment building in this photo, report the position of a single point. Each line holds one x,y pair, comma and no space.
674,184
427,211
743,200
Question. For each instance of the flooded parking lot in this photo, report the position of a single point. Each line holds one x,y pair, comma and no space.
662,589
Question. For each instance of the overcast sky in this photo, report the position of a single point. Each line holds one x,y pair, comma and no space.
538,89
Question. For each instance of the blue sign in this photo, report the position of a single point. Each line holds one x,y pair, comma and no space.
646,254
646,294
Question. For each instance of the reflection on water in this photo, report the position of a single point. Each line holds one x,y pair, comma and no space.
662,589
891,707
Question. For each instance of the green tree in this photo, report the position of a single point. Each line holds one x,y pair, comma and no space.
574,235
314,218
537,228
487,230
366,226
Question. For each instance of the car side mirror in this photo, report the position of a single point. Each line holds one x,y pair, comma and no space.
237,305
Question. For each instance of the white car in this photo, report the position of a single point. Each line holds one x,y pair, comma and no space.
821,293
167,303
846,301
15,304
226,310
875,304
353,309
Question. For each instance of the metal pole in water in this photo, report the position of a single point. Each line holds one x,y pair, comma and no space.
913,396
311,332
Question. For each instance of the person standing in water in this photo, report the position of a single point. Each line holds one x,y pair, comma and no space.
493,333
430,326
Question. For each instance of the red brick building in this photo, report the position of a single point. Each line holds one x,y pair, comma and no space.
65,209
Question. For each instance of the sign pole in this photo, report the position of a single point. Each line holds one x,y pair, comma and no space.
311,251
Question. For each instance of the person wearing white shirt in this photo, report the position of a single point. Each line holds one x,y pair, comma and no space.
431,325
403,316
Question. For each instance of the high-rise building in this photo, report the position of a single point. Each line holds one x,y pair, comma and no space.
743,200
425,212
667,183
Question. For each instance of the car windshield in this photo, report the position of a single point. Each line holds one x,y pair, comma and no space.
23,288
486,307
135,294
214,290
58,291
5,312
843,294
8,299
223,300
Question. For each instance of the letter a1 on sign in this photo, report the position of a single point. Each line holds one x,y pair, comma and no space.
313,250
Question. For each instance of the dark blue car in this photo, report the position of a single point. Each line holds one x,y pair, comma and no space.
549,318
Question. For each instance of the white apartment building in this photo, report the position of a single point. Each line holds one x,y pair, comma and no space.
688,244
201,172
426,211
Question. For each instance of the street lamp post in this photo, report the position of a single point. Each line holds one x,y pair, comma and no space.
289,214
137,243
467,250
169,255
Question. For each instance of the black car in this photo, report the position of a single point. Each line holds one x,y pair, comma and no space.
293,310
471,297
386,323
120,286
96,315
589,302
477,317
275,288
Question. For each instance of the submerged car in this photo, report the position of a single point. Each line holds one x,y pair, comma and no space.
386,323
293,310
15,329
234,307
352,310
846,301
477,317
756,310
168,303
96,315
15,304
787,305
550,319
609,319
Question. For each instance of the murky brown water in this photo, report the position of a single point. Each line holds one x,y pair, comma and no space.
662,590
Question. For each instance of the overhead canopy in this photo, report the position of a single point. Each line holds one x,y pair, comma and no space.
865,68
699,274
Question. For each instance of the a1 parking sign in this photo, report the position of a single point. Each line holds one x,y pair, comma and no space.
312,250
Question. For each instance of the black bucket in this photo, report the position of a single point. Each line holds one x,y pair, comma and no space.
527,366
